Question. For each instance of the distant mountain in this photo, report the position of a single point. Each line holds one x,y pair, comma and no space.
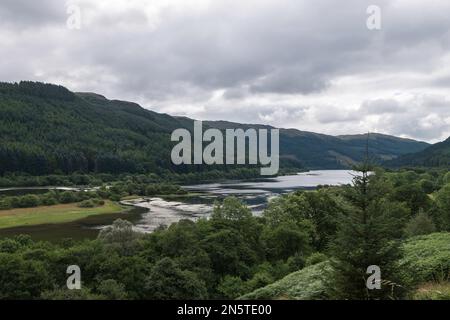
46,128
319,151
436,155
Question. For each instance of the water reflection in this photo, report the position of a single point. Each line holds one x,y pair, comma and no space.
255,194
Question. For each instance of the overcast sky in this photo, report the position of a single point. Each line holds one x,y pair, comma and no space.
311,65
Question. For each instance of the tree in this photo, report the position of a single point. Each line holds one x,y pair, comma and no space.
120,236
443,203
414,195
167,281
67,197
22,279
286,240
366,236
319,210
29,201
232,287
427,185
419,225
231,209
112,290
235,217
66,294
229,253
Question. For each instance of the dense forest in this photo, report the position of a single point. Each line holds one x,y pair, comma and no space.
307,244
437,155
46,129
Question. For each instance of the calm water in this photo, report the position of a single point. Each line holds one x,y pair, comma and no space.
255,194
153,212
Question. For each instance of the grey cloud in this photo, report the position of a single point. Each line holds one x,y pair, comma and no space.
382,106
425,117
31,14
291,81
335,114
266,50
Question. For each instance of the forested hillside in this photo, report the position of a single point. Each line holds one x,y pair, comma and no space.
437,155
47,129
319,151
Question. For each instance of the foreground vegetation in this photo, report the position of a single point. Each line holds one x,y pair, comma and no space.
426,261
306,245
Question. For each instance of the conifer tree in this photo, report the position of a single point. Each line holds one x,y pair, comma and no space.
368,234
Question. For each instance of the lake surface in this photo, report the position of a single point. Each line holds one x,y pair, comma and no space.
255,193
152,212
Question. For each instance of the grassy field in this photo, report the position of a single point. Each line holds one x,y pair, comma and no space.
52,214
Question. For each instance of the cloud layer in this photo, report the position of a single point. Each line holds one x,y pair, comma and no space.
312,65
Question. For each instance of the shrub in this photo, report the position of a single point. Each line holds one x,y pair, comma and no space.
315,258
28,201
112,290
68,197
49,200
296,262
232,287
5,204
419,225
98,202
87,204
426,258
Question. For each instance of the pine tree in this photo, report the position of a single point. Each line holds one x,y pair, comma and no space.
368,234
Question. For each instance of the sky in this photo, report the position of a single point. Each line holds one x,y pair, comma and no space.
309,65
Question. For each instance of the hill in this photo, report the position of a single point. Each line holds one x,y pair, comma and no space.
319,151
437,155
46,128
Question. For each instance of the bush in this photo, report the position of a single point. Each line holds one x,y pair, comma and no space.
49,200
285,240
426,258
87,204
5,204
68,197
427,185
419,225
232,287
315,258
168,281
296,262
66,294
29,201
98,202
112,290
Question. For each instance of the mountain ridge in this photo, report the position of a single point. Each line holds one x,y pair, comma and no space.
46,128
436,155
